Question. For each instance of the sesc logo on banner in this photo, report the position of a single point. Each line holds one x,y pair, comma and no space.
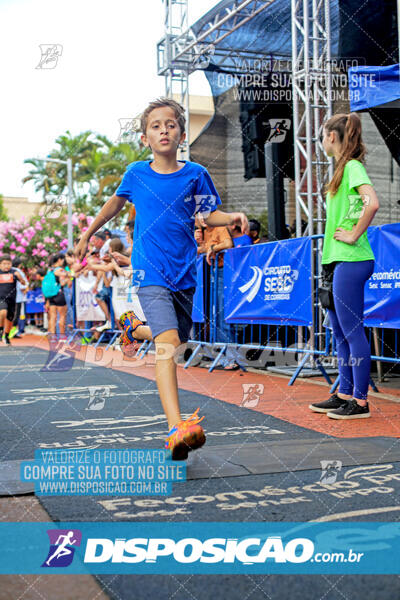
269,283
278,283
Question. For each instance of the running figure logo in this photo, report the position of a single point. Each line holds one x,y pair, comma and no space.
50,54
61,550
330,470
97,397
202,55
60,358
278,130
251,394
128,129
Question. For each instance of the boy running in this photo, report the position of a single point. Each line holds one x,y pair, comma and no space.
167,195
8,294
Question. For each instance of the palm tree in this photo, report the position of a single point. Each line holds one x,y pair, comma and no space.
98,167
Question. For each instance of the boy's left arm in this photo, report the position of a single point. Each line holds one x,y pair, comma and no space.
218,218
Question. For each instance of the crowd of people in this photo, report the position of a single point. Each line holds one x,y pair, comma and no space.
107,258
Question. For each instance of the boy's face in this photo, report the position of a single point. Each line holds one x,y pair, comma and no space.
163,133
5,265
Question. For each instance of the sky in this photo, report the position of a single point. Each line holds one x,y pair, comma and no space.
107,71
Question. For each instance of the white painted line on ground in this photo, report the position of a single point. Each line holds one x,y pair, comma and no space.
356,513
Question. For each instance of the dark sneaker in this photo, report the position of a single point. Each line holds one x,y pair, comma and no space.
7,340
333,403
352,410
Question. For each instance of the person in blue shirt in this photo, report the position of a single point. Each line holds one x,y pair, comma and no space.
239,239
168,195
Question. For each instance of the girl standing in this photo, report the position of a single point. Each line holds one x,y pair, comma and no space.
351,205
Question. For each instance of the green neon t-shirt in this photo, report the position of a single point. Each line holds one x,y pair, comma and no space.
344,209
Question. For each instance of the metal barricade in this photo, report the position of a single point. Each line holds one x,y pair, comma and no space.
262,346
243,341
258,345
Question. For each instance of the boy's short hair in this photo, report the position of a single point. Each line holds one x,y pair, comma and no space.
254,225
160,102
5,257
100,235
41,271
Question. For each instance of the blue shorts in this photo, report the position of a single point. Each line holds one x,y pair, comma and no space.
104,293
165,309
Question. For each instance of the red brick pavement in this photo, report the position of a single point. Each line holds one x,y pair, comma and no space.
278,400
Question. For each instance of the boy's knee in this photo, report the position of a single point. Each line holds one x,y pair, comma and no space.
166,344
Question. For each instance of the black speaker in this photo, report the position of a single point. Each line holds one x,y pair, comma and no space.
368,31
266,114
387,121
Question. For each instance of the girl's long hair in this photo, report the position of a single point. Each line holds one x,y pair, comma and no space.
348,128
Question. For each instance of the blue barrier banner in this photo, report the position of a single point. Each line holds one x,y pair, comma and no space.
269,283
382,290
34,301
206,547
198,298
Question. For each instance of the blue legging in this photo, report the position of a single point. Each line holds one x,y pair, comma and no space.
354,356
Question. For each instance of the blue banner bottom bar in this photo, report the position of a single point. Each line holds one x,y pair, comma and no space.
200,547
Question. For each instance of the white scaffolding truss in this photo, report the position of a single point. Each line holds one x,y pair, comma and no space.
312,105
182,52
176,77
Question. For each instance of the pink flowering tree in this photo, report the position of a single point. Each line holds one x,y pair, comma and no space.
35,239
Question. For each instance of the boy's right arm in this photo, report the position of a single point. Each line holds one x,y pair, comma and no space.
111,208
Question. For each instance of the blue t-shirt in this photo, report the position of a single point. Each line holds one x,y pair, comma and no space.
242,240
164,248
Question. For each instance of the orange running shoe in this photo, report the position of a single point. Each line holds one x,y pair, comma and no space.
129,322
185,436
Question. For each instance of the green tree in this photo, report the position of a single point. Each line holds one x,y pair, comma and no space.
3,211
98,167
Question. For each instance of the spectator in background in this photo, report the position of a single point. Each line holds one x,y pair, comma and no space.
129,229
104,271
35,319
38,317
212,240
69,264
22,288
292,228
8,291
238,238
57,305
104,249
255,228
98,242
